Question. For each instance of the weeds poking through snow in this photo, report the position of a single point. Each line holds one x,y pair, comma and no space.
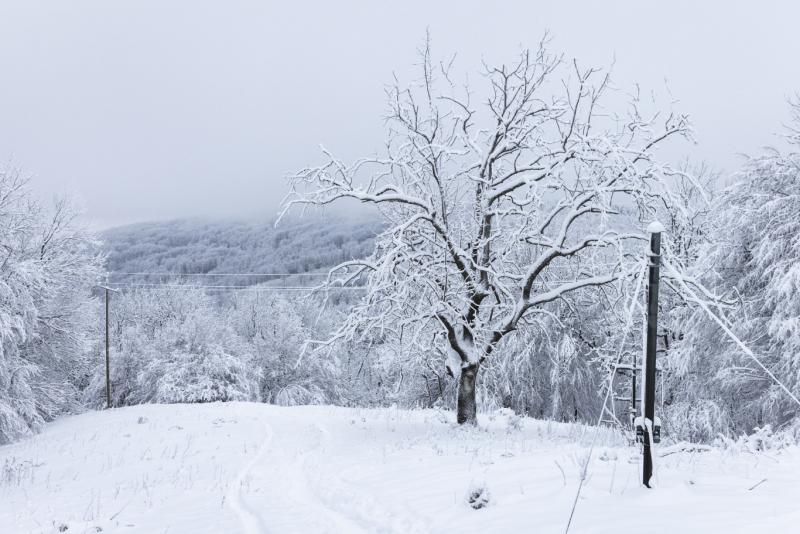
14,471
513,420
478,496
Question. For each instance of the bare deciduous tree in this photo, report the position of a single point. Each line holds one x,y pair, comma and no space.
495,211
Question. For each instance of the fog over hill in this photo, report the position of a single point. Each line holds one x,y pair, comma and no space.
296,245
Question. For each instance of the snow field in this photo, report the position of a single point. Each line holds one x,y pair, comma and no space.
254,468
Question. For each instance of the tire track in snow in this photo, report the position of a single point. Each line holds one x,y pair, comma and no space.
298,495
287,502
250,521
360,508
305,491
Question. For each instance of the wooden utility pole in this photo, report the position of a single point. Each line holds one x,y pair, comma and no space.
649,406
108,359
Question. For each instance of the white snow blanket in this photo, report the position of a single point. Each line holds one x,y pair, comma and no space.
252,469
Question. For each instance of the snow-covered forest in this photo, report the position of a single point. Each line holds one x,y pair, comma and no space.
309,244
733,237
465,303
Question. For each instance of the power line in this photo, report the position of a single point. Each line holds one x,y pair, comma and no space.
198,286
628,325
726,328
284,275
182,287
281,275
165,285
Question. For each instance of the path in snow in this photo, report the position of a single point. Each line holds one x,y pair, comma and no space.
280,492
250,520
255,469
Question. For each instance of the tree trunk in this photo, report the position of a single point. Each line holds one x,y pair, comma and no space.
466,396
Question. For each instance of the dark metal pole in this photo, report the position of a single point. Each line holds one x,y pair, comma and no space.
632,413
108,360
649,407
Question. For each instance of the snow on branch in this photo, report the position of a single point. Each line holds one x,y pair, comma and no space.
497,210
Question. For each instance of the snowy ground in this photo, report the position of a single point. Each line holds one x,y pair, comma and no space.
251,468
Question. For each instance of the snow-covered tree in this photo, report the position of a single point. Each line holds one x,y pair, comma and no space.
48,267
754,263
496,208
275,333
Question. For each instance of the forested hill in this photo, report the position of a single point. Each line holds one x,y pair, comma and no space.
298,245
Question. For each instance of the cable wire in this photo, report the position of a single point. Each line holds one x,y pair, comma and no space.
610,380
183,287
165,273
728,331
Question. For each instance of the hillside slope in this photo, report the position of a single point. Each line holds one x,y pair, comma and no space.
297,245
254,468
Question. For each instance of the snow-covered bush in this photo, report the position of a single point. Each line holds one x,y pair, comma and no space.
175,346
187,345
700,420
513,421
197,374
197,359
761,439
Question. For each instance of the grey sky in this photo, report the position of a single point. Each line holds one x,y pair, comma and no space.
153,109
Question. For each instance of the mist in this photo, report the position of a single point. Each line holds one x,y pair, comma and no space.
150,110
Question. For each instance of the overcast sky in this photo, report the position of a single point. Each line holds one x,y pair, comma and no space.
163,109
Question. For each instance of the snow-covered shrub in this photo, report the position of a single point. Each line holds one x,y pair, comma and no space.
513,422
185,345
199,358
696,421
296,394
175,346
198,374
761,439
